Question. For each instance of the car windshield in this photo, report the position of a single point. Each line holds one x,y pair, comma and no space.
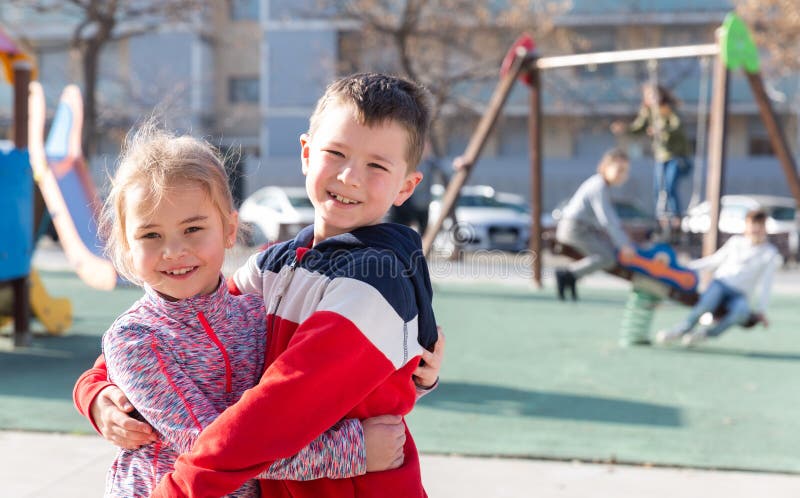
300,201
782,213
490,202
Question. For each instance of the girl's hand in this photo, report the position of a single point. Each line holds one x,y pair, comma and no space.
110,411
384,437
618,127
425,375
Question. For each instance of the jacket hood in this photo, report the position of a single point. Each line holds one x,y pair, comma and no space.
405,244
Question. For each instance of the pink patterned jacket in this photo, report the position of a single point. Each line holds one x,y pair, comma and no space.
181,364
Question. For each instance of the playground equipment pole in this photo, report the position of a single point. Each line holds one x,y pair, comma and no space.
775,132
535,147
716,152
22,78
475,147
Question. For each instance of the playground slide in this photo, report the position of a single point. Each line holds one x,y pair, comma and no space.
55,314
66,186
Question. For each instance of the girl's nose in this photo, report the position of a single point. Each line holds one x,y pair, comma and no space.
173,250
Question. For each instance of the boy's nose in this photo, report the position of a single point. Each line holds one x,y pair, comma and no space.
349,175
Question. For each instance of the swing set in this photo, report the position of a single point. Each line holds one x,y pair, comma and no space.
733,50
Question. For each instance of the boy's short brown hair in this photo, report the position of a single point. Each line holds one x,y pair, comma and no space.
377,98
756,216
611,156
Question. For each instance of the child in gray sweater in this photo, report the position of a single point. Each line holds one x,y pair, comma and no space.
590,224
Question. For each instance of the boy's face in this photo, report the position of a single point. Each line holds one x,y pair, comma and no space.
354,173
756,231
616,173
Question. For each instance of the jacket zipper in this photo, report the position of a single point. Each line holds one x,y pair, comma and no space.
218,343
283,284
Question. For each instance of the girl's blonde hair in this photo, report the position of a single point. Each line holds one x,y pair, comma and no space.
612,156
160,161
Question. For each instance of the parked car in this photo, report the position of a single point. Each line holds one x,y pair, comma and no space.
275,213
487,219
636,222
783,224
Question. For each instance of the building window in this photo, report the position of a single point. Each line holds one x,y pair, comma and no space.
243,90
595,40
760,146
243,10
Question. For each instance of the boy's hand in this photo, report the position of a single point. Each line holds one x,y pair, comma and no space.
110,410
627,252
761,317
425,375
384,437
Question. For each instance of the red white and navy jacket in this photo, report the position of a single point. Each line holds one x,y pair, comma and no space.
183,363
346,324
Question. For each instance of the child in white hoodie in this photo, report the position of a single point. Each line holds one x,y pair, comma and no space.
743,268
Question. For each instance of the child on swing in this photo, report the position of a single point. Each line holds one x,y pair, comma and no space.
188,349
590,224
659,120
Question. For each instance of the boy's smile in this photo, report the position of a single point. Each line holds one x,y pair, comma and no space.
354,172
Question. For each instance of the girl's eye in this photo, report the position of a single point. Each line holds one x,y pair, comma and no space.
378,166
150,235
193,229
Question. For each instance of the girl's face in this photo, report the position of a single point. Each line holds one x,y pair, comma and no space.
178,246
616,172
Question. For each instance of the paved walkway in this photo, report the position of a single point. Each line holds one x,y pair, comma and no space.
39,465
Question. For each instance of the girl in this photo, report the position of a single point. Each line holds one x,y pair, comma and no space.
188,349
657,118
589,223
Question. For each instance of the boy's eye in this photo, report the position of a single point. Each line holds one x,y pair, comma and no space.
378,166
334,152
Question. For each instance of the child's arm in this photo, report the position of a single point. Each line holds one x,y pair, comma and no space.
641,122
107,408
712,261
339,355
765,284
171,401
426,376
607,216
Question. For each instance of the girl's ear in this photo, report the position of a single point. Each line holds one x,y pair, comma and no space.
231,230
305,145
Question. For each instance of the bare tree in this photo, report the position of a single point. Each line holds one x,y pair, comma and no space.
101,22
453,47
776,27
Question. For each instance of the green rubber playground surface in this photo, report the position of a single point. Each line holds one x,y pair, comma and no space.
525,375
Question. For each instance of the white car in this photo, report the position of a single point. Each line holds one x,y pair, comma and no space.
486,220
273,214
783,224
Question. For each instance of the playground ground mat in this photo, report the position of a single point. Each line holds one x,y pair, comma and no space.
525,375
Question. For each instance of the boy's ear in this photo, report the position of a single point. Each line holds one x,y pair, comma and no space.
409,184
305,142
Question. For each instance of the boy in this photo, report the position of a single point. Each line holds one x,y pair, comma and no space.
348,303
590,224
743,265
